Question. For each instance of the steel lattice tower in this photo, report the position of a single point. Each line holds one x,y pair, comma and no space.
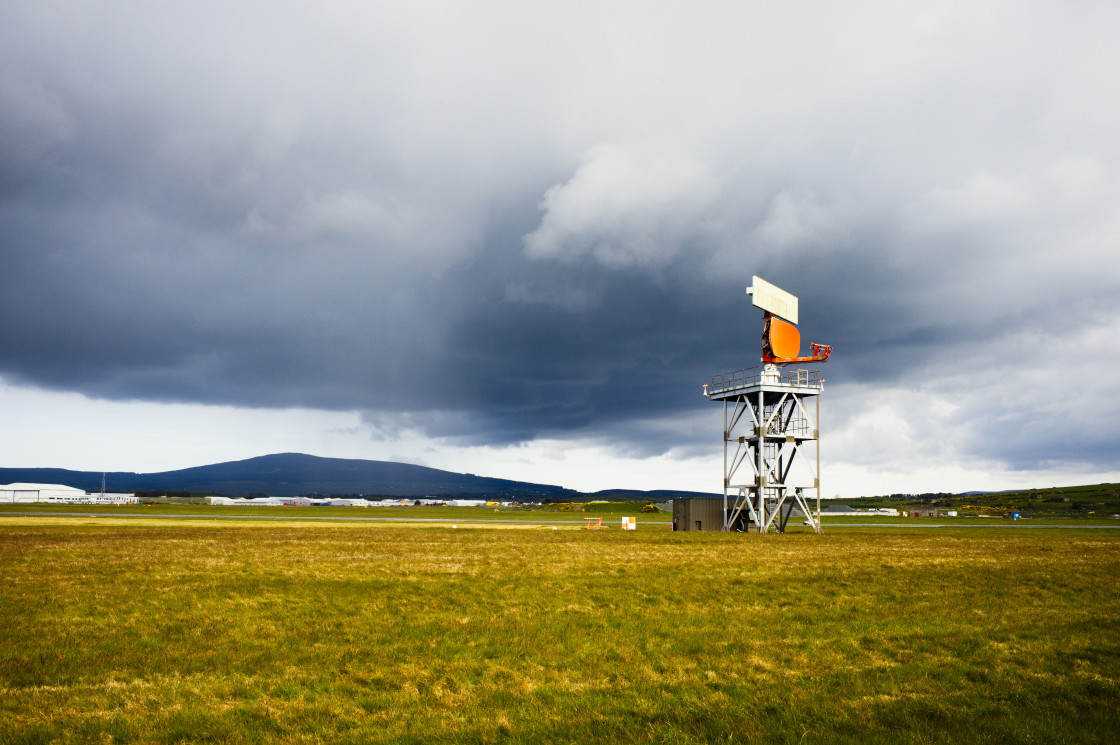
771,446
771,424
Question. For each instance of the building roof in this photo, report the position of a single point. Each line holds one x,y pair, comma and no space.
41,487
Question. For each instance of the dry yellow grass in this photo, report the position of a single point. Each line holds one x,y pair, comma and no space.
372,633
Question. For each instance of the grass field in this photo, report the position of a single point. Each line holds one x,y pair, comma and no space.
608,511
208,631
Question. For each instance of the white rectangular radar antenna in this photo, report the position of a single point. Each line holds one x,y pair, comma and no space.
774,299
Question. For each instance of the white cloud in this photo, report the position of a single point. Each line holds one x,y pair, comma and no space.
352,214
793,220
983,199
623,209
1020,410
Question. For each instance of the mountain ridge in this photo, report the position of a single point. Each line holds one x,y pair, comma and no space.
294,474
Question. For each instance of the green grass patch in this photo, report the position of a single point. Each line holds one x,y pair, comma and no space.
358,634
422,513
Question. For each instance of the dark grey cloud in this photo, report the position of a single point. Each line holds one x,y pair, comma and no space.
519,223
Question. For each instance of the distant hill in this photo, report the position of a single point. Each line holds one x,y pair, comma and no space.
292,474
1099,500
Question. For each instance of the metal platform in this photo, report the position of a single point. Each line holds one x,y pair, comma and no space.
771,458
800,381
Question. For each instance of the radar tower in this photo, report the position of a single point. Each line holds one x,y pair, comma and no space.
771,423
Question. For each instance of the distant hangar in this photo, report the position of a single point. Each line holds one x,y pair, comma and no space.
59,494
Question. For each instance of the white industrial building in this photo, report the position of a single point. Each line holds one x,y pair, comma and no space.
59,494
838,510
292,502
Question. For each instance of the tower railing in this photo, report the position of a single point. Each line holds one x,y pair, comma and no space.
748,376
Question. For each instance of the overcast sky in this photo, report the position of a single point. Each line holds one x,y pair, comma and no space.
512,238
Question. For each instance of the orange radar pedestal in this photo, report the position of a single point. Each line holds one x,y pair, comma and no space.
781,344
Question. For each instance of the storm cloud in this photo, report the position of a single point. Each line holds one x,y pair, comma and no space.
498,222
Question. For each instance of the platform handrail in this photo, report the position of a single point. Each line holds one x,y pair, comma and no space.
748,376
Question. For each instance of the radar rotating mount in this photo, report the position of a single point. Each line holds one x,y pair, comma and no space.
781,341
